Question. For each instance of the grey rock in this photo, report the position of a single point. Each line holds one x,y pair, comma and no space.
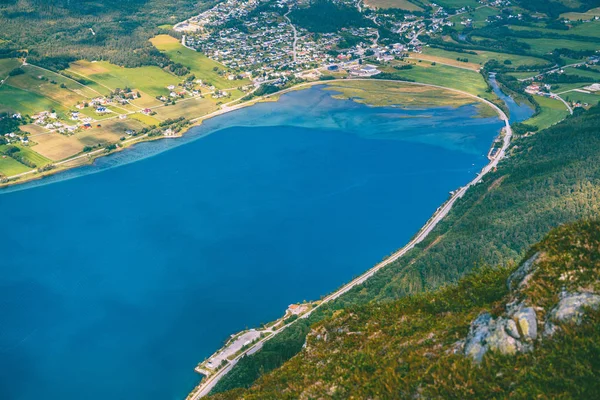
527,322
475,344
522,275
499,340
511,329
571,306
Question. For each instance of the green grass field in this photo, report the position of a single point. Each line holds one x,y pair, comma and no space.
200,65
7,65
546,45
594,12
31,82
72,85
484,56
589,98
457,3
468,81
33,157
150,80
586,29
553,111
522,75
478,16
15,99
580,72
401,4
10,166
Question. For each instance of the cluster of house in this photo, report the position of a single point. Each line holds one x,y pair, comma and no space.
539,89
265,43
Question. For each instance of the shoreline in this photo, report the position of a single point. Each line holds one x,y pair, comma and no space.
83,159
209,381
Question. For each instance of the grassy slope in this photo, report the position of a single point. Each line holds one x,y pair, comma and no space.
150,80
403,349
199,64
27,102
552,111
551,178
7,65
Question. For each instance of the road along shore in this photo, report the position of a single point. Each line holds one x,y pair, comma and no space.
207,384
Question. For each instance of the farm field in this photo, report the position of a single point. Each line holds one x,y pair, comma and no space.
47,87
484,56
589,98
32,156
553,111
401,4
522,75
594,74
10,166
189,108
7,65
547,45
457,3
13,99
468,81
442,60
591,29
200,65
152,81
478,16
69,83
574,16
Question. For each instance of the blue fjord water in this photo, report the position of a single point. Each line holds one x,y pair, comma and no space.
115,283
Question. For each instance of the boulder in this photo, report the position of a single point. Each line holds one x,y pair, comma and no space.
527,322
522,274
570,308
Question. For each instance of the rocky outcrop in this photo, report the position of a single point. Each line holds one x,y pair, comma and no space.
516,330
507,335
522,275
570,308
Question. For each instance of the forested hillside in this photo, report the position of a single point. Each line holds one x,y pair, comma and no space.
422,345
549,179
60,31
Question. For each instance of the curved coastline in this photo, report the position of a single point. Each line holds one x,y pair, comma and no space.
185,175
206,385
20,181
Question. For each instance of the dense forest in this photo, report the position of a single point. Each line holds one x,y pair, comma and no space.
550,178
414,347
325,16
57,32
554,8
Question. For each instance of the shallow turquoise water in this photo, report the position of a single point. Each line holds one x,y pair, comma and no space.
114,284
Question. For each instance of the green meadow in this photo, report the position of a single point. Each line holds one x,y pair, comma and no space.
150,80
10,166
552,112
484,56
442,75
13,99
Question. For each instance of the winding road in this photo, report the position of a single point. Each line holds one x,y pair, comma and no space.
206,386
295,33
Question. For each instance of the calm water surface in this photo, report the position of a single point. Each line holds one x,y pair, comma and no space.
115,283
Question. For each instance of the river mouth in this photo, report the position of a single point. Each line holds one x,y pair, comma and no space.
133,275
